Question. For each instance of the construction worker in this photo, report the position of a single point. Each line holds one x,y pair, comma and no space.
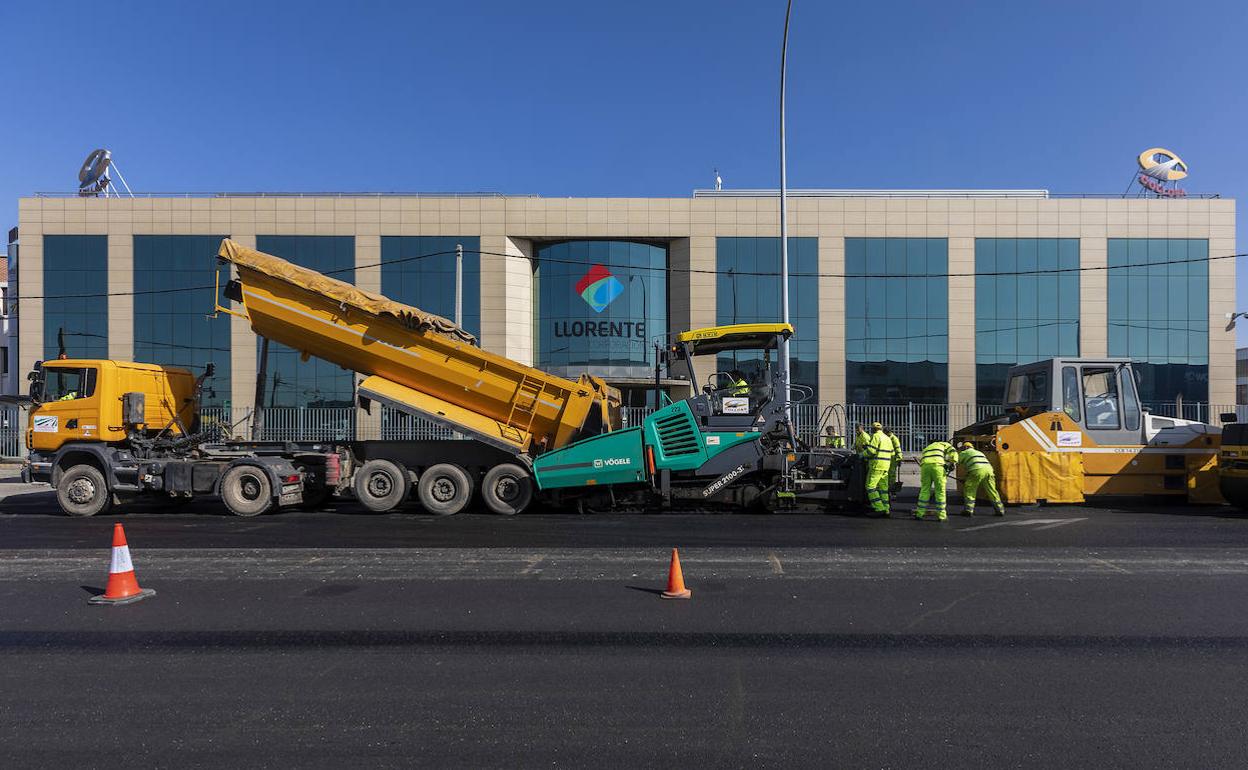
740,386
979,475
879,456
894,471
861,439
937,460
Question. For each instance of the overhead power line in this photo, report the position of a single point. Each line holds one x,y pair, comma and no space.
678,270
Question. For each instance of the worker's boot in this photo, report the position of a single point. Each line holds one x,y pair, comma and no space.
968,511
918,515
999,508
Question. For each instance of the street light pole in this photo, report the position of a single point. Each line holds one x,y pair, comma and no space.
784,218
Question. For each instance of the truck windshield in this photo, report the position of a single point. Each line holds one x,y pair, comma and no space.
68,384
1028,388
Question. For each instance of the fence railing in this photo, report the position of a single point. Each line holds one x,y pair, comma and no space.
915,424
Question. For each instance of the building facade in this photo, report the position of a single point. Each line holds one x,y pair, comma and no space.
898,297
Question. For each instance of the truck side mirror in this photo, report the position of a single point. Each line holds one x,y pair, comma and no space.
1229,417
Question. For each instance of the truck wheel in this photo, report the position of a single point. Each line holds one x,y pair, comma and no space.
444,489
246,491
381,485
82,491
507,489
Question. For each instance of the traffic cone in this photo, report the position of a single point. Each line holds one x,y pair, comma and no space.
123,587
676,581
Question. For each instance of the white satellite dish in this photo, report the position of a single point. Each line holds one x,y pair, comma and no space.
94,179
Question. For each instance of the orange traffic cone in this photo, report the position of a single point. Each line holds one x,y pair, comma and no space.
676,581
123,587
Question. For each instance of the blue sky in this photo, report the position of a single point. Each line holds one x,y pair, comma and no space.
642,98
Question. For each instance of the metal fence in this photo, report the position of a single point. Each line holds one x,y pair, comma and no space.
915,424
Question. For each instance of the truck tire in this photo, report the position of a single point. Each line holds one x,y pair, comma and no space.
507,489
444,489
246,491
82,491
381,485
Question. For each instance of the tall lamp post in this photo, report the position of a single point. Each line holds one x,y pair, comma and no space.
784,218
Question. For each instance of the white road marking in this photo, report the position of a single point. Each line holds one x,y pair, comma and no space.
775,563
1026,523
1063,523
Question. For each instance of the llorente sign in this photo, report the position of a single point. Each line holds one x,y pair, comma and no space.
1158,166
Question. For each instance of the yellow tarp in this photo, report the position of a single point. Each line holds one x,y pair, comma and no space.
340,291
1026,477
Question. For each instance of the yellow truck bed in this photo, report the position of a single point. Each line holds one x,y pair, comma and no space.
417,361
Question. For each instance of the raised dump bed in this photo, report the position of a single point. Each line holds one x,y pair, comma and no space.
416,361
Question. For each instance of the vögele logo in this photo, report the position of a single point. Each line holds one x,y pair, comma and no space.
599,288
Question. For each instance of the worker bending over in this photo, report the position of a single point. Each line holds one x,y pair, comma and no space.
979,475
879,457
937,460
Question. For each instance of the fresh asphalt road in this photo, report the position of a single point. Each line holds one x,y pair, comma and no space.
1054,636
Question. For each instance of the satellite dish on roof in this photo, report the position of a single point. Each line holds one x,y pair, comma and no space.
94,179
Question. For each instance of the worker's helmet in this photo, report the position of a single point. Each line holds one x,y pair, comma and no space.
965,445
876,426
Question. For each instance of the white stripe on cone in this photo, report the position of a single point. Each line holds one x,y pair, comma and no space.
121,560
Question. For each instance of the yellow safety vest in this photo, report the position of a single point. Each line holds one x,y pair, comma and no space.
938,453
974,461
879,448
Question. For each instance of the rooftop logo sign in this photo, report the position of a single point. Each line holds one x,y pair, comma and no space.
1158,166
599,288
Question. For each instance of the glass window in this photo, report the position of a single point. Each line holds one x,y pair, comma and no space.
1027,306
748,277
75,288
897,323
601,305
1158,294
68,384
174,285
1028,388
420,271
1070,393
1130,404
1100,394
291,381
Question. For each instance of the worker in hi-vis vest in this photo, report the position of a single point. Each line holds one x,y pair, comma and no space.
979,475
938,458
894,471
879,456
861,439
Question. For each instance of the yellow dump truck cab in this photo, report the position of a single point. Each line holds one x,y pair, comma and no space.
105,431
1233,464
1072,428
99,400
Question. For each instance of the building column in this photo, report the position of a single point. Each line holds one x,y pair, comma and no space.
691,292
1221,303
242,352
507,311
832,322
368,277
29,315
961,331
1093,297
121,303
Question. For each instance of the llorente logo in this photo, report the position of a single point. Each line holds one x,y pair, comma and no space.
599,288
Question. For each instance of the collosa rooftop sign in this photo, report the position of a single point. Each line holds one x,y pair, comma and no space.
1159,169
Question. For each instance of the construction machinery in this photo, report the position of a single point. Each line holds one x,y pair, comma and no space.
1233,462
529,432
105,432
1074,428
522,433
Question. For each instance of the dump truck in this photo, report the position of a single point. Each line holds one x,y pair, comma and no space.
1074,428
106,432
103,432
